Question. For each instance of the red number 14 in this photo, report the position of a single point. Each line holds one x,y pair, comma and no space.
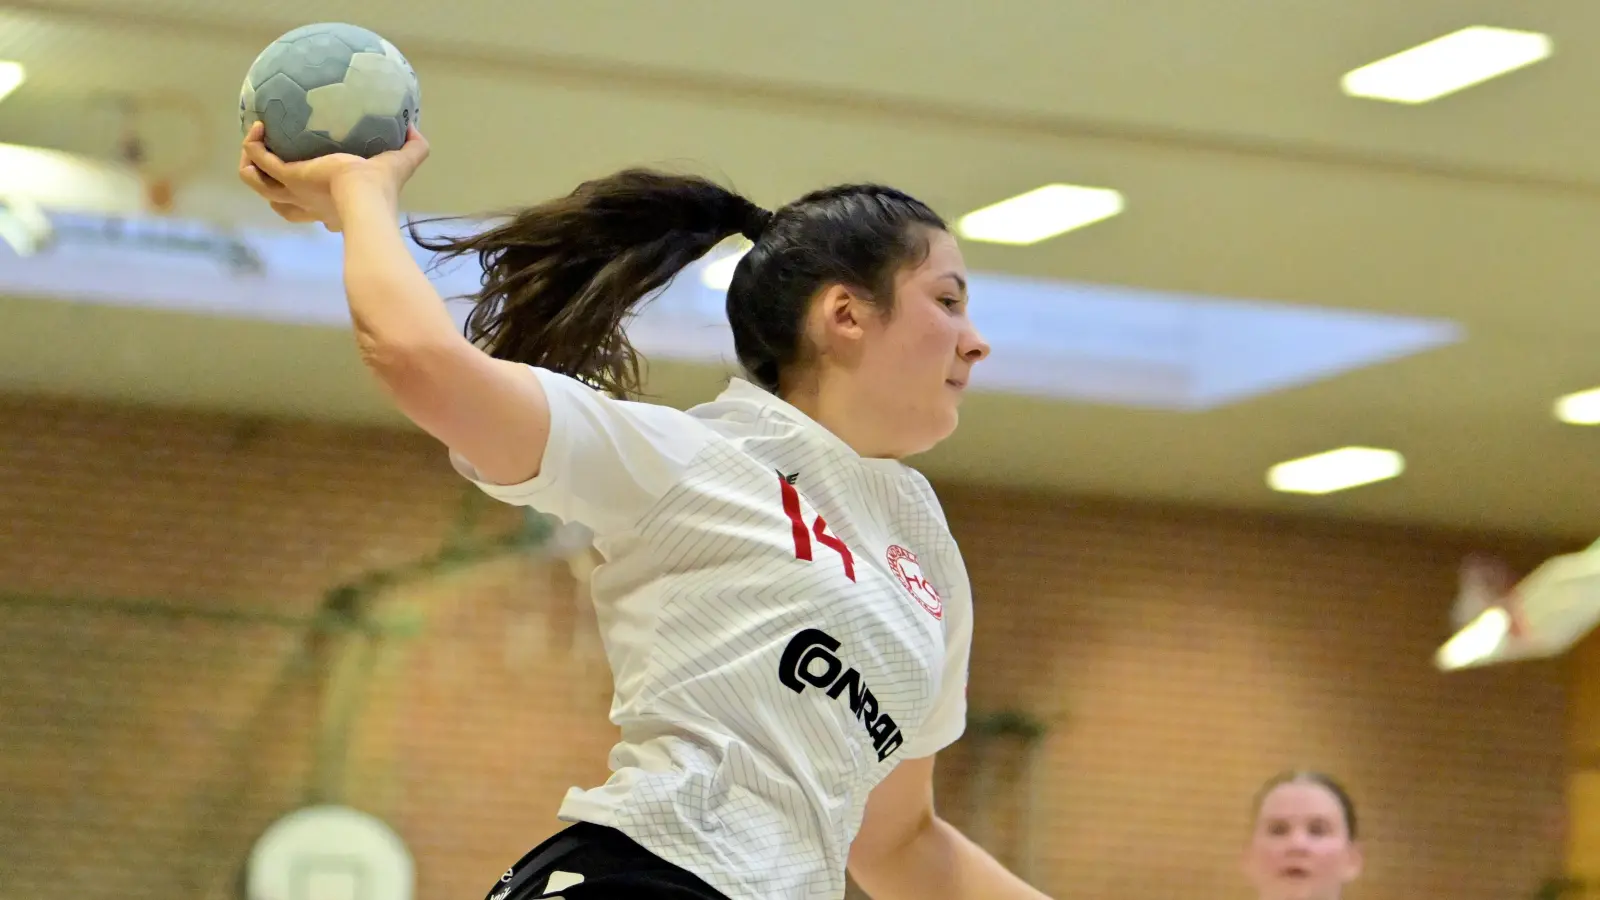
802,535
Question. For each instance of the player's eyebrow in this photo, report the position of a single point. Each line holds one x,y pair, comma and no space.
958,279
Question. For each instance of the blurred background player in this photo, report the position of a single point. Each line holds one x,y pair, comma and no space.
1303,843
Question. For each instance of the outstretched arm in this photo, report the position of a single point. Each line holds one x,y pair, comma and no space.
492,413
906,852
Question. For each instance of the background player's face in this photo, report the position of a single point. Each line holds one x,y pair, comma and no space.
915,363
1301,847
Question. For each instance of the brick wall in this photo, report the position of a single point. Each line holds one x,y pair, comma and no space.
160,690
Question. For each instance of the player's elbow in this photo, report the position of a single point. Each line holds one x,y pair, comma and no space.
893,864
396,361
491,413
414,373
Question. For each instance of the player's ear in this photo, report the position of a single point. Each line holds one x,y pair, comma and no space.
841,313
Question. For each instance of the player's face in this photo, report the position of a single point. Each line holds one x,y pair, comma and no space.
1301,848
918,360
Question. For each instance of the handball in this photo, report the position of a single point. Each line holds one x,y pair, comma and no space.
330,88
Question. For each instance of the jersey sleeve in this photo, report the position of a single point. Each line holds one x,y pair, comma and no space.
607,461
948,720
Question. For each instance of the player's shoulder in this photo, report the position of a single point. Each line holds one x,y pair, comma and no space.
569,394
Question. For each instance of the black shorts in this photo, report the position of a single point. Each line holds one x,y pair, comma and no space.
610,864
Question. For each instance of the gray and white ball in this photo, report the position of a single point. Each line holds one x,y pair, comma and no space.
330,88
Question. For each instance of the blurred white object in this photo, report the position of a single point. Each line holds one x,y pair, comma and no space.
330,852
67,182
1543,615
12,75
1485,582
24,227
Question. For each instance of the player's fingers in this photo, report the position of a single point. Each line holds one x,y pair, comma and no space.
289,212
267,187
413,153
262,183
246,165
255,149
255,135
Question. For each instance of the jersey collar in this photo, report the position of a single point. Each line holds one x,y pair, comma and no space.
740,390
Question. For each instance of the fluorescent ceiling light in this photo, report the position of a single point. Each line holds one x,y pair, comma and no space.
12,75
1040,214
1582,408
1447,64
1335,470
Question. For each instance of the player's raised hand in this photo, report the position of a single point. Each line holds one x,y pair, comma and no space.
306,191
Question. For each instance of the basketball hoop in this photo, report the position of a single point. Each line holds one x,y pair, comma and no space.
163,169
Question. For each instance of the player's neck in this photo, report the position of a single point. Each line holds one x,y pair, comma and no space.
836,414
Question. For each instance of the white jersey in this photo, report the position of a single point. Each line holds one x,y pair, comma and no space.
785,621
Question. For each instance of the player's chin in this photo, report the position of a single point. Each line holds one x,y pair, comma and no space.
1300,889
928,432
944,426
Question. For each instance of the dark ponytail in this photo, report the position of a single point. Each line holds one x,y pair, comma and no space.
561,279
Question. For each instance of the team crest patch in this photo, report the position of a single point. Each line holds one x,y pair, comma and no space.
903,563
